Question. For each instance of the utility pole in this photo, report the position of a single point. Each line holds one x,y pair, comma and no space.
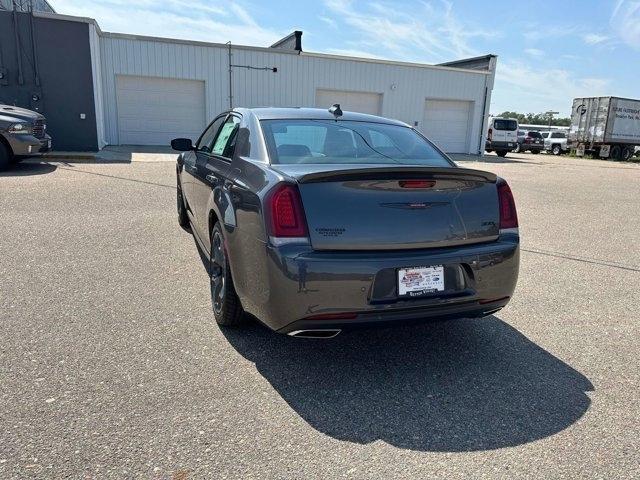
248,67
550,114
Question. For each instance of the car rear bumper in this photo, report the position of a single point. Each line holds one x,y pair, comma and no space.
531,147
495,145
302,283
28,145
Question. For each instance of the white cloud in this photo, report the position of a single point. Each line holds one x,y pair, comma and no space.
594,38
329,21
184,19
625,21
430,32
534,52
541,89
536,31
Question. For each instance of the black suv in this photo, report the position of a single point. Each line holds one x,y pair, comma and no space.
22,135
529,140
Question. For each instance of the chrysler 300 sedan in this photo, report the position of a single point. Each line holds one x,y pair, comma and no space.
314,221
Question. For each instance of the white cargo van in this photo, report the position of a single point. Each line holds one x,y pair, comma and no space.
502,135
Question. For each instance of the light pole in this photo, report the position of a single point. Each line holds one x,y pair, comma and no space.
550,114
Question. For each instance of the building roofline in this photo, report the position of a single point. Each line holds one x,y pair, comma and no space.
147,38
442,66
470,59
396,62
69,18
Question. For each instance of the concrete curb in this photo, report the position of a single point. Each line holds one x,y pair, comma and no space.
70,156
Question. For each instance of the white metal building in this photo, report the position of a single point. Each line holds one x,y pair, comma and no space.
149,90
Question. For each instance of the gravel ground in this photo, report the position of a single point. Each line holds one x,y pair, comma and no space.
111,365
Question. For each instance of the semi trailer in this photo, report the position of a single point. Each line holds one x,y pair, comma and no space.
605,127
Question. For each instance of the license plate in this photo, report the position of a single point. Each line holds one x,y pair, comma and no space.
417,281
509,144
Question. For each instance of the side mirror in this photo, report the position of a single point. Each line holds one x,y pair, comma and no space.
182,144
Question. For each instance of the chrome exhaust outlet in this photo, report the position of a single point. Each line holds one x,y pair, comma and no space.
316,333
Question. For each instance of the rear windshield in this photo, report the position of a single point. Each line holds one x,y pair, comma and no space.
347,142
558,135
534,134
510,125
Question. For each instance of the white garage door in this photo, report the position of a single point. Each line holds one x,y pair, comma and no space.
153,111
446,123
363,102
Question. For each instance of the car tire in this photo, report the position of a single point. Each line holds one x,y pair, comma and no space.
183,218
5,157
501,153
556,150
517,149
615,152
227,309
626,153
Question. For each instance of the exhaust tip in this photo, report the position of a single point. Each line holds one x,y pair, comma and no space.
316,333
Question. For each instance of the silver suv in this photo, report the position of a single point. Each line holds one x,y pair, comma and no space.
555,142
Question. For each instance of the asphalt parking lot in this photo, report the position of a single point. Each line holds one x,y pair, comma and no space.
111,365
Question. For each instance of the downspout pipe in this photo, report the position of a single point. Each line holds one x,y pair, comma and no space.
18,49
34,48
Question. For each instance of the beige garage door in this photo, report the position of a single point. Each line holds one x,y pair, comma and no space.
446,123
363,102
153,111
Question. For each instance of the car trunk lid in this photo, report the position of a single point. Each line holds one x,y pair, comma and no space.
395,207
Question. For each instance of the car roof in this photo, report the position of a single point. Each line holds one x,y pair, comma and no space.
303,113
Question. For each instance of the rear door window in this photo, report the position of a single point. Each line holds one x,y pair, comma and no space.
226,139
502,124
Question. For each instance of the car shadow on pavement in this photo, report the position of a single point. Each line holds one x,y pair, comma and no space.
463,385
24,169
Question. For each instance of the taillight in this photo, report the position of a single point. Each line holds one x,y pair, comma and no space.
416,183
508,214
490,134
527,139
286,215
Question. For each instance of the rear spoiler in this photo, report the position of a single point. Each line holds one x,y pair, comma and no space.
404,172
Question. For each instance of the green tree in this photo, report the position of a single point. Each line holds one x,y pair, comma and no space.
536,119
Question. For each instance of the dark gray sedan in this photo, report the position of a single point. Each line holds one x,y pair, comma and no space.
314,221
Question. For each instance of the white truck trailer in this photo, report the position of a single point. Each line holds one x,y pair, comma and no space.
607,127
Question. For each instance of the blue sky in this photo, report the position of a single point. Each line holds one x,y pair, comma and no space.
548,51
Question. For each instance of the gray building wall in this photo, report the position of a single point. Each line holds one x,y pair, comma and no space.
66,89
404,87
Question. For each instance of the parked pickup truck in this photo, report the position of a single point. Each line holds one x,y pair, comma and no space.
23,134
555,142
